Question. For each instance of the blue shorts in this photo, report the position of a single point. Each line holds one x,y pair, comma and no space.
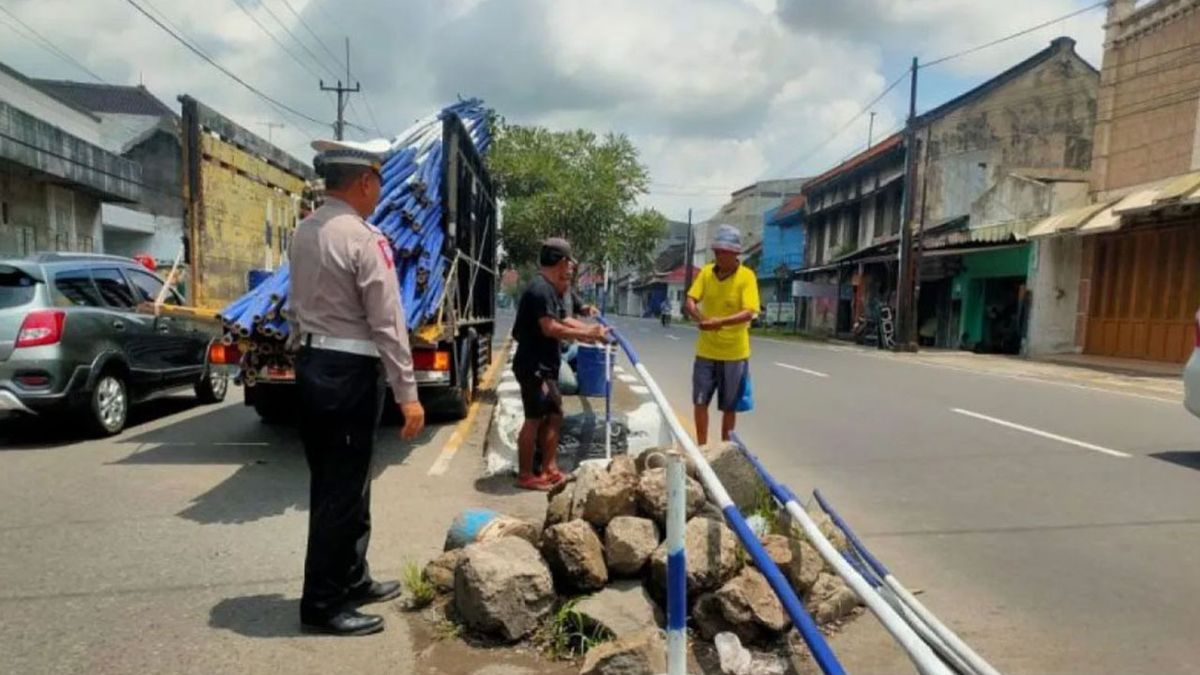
724,378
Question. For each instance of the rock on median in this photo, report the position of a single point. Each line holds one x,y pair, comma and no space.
609,495
440,571
652,495
575,555
711,551
503,588
642,653
628,544
830,599
747,606
737,474
797,559
623,608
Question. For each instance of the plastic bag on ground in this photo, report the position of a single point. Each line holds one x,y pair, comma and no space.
737,660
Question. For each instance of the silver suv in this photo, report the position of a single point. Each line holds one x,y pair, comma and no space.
71,340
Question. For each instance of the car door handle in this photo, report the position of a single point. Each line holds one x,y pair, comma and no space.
163,328
118,324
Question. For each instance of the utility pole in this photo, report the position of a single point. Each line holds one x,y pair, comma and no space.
905,286
687,260
271,126
871,130
343,97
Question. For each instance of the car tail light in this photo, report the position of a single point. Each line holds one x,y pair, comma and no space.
224,355
428,359
43,327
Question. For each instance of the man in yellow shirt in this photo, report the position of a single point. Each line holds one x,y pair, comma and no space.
723,300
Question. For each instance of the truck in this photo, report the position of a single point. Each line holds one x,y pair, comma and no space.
453,347
243,197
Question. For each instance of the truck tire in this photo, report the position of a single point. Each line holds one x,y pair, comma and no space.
460,397
274,409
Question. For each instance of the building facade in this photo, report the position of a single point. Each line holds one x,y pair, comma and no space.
1140,270
139,127
745,210
988,165
55,172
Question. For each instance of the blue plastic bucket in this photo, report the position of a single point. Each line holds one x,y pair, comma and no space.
256,277
589,364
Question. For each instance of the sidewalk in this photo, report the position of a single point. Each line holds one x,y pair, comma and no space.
1139,378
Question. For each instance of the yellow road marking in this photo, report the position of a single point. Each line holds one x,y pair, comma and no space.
442,463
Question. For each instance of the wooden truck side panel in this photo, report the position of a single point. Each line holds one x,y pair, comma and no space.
242,196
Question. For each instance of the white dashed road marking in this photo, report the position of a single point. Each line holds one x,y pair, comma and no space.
806,371
1039,432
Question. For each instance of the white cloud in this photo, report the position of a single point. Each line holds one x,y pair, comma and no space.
716,93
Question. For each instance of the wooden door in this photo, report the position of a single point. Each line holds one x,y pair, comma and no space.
1146,291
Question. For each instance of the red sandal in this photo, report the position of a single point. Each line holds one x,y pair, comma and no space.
538,483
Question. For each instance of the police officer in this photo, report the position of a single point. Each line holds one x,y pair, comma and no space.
345,311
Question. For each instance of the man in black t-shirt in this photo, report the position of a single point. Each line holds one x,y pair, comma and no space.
541,324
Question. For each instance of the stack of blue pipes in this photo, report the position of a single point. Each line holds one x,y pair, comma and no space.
409,214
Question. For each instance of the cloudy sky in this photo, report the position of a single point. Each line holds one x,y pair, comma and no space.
715,93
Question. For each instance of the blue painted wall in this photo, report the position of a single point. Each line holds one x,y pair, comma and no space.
783,242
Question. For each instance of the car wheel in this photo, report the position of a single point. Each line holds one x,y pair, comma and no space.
212,387
109,405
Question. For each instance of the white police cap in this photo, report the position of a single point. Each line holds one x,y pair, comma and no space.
367,153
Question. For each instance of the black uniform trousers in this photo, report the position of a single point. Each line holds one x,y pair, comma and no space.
340,397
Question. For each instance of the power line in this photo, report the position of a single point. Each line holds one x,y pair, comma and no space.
199,52
50,46
934,62
276,40
1011,36
337,61
863,111
371,112
313,33
292,35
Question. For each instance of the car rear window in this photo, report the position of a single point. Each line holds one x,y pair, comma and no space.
74,288
16,288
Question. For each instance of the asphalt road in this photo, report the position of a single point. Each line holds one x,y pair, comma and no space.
1055,526
178,546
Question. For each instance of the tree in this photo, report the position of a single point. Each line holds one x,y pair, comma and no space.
572,184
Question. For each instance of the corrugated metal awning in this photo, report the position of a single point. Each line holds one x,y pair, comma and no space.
1109,218
1185,188
998,232
942,252
1181,190
1065,221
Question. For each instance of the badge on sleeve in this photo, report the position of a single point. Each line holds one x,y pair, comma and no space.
385,249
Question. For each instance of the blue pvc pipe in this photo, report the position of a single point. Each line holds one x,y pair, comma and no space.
804,623
821,652
621,340
874,562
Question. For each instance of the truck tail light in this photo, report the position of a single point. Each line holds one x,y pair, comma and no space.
43,327
428,359
224,355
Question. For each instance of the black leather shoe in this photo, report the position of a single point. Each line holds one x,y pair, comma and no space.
348,622
378,591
